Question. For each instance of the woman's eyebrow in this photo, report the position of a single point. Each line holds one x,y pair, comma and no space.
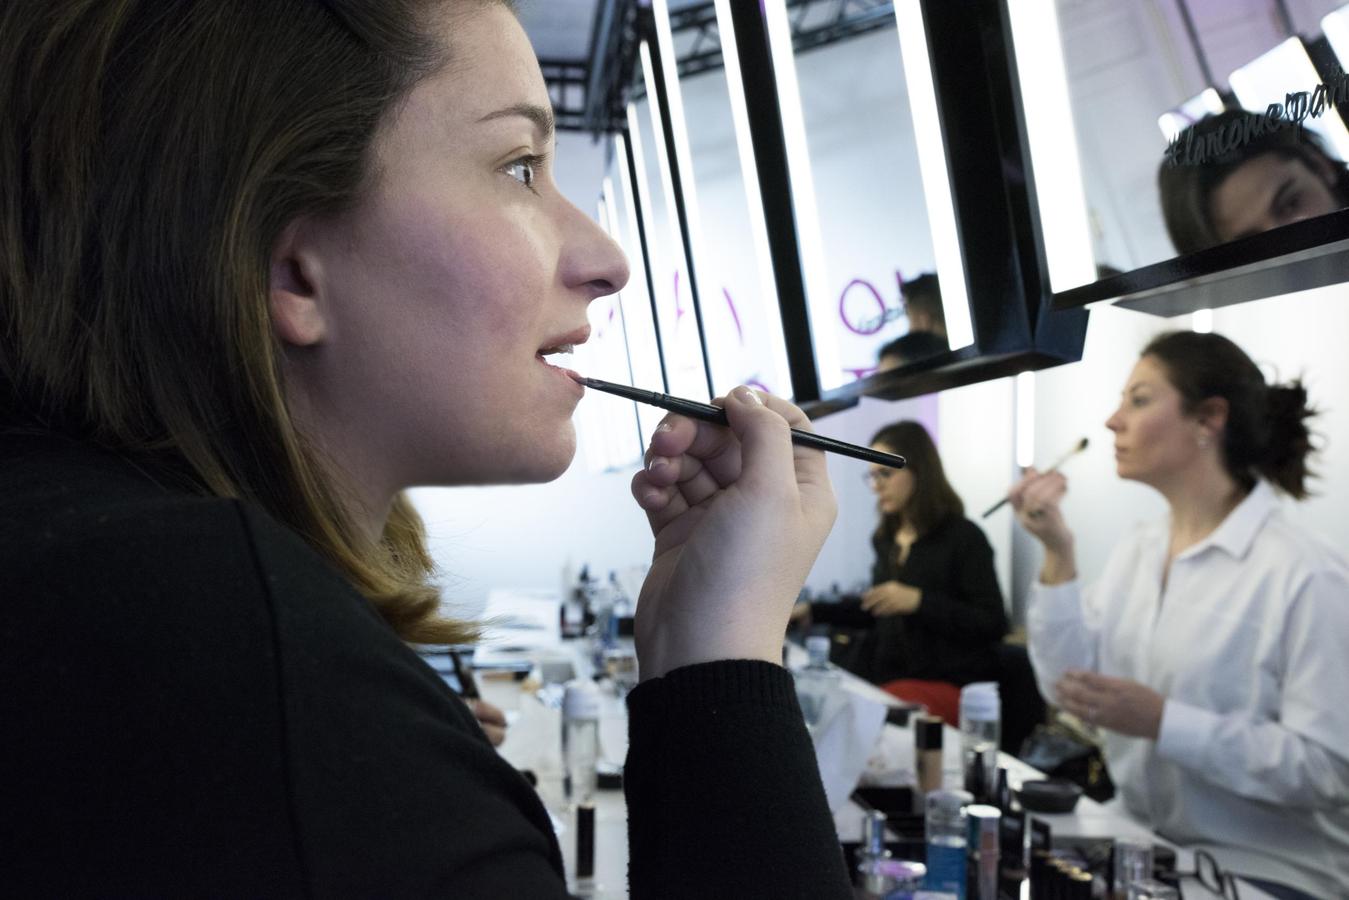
541,116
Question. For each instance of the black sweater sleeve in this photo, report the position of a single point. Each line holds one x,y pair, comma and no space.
208,709
724,794
972,608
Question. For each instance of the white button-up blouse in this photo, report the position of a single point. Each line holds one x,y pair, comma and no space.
1249,643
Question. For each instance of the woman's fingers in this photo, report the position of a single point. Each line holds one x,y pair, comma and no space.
684,473
661,503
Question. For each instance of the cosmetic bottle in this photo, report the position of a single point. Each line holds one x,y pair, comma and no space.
927,737
817,681
1012,853
983,840
872,851
1002,791
980,729
580,739
947,842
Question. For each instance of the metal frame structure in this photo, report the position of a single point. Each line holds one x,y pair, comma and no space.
591,94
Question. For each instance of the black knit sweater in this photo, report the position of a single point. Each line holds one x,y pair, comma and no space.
196,704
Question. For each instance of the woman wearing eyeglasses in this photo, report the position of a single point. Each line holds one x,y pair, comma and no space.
934,611
1212,648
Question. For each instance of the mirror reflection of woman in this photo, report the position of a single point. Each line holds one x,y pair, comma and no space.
934,610
1211,649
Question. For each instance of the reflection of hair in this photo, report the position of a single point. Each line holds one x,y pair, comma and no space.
923,295
934,501
914,346
1187,190
151,159
1266,433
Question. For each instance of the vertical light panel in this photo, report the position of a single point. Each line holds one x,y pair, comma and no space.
941,213
638,316
674,235
683,154
1335,27
685,373
1025,419
749,170
1270,77
1059,193
810,244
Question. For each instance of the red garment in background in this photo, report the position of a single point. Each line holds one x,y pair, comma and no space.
940,697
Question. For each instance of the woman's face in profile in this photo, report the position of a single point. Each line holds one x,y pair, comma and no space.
457,273
1154,439
1268,191
893,487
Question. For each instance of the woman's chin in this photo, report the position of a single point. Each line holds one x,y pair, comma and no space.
548,461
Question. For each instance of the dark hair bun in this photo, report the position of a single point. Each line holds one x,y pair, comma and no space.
1290,440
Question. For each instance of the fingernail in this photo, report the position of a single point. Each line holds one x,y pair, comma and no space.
657,462
664,426
747,395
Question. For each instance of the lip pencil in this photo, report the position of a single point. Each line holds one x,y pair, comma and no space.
706,412
1077,448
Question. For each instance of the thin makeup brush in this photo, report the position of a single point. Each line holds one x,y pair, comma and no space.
1080,446
706,412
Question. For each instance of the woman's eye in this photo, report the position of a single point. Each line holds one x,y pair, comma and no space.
523,170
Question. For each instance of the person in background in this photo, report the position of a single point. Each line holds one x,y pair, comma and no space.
909,348
1211,649
1280,176
934,610
927,325
923,305
263,266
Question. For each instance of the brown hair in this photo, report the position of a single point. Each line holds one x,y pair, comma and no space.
934,501
151,154
1266,434
1187,190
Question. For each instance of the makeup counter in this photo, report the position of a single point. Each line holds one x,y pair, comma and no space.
520,666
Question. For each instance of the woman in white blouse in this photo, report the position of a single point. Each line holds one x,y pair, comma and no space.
1213,650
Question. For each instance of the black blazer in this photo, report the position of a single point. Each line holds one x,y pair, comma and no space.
954,634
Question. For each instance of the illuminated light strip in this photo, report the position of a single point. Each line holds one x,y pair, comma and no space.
1265,79
639,163
699,266
652,371
633,247
616,232
1025,419
662,159
941,213
1053,143
1335,26
749,170
810,243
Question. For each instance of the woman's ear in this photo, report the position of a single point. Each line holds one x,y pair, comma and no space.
293,290
1211,414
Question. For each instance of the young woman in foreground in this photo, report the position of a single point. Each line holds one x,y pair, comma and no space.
262,267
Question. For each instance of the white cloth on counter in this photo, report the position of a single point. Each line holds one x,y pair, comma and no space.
849,726
1249,643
